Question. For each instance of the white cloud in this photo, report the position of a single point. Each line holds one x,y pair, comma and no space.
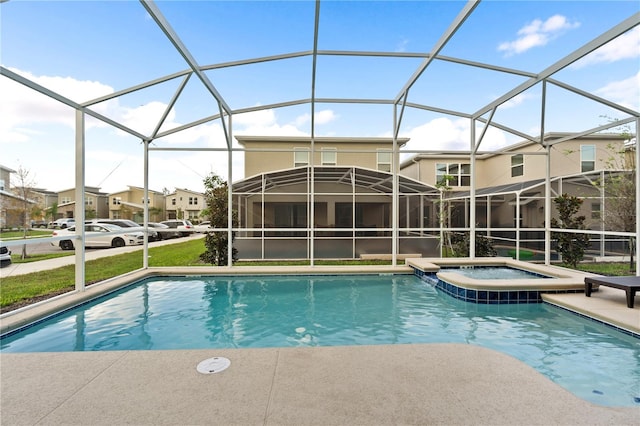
264,123
624,92
322,117
626,46
537,33
450,135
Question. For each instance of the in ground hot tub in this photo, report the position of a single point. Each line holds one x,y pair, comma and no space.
492,280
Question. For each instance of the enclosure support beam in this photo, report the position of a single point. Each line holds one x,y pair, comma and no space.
394,190
547,207
517,226
230,223
79,196
472,212
145,204
637,162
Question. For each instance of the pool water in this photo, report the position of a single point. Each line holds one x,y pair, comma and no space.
493,272
593,361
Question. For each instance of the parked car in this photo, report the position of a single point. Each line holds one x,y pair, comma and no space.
100,235
62,223
164,232
184,226
203,227
5,255
129,224
39,224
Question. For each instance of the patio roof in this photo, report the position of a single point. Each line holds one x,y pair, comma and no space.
374,180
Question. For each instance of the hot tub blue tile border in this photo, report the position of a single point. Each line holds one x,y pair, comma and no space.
486,297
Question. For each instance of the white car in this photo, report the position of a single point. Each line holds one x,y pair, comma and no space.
5,255
125,223
203,227
63,223
185,227
100,235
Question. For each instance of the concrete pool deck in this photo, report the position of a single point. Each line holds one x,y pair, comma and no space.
421,384
387,384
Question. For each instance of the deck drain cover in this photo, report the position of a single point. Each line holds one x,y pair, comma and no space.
213,365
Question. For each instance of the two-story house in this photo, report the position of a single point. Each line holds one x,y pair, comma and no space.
352,187
352,191
11,205
184,204
130,203
95,202
510,186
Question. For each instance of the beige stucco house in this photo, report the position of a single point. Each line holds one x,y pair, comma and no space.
95,201
130,203
11,205
184,204
510,184
351,188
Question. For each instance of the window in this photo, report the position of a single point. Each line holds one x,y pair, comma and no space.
329,156
65,200
142,200
88,201
517,165
2,184
596,210
300,157
587,158
117,201
190,201
458,174
173,201
384,161
195,201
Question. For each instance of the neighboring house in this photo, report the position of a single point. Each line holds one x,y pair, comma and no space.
45,199
352,192
184,204
511,184
352,189
11,205
95,201
129,204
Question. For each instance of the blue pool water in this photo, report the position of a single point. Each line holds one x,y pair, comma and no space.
591,360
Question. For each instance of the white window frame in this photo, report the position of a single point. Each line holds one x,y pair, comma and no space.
300,152
583,161
457,176
596,210
515,167
329,156
381,163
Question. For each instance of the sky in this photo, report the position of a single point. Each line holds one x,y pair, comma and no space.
85,50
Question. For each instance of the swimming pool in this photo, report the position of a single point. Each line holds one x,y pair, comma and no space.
589,359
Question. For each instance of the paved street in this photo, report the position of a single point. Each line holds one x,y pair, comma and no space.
90,254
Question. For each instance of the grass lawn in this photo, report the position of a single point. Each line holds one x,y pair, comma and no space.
31,233
21,290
